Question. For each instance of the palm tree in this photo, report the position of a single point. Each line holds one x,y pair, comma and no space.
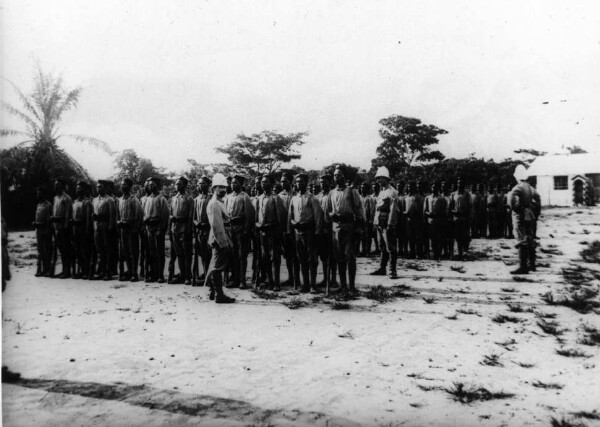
38,159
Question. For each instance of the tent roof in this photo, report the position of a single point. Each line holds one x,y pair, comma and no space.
565,164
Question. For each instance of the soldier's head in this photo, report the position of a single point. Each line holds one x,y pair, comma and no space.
316,188
204,184
412,187
154,185
101,187
147,190
258,184
59,185
266,184
302,182
237,182
311,187
460,185
434,188
181,184
286,181
41,193
443,187
364,188
80,189
338,177
375,188
325,180
126,185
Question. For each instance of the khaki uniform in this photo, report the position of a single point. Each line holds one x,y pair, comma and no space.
130,217
156,218
435,210
181,217
241,212
202,226
61,217
83,234
385,219
43,234
105,220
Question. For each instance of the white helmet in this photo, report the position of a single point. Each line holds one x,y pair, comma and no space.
520,173
382,172
219,180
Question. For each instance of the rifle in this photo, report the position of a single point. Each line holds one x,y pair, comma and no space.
120,254
54,252
195,263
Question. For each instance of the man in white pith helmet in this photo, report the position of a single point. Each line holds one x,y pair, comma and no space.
385,220
219,239
523,199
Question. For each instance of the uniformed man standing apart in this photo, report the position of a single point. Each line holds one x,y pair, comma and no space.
181,219
83,230
460,206
345,212
435,211
219,239
523,198
386,219
241,213
270,220
305,218
202,230
130,218
105,221
289,245
156,218
43,233
61,217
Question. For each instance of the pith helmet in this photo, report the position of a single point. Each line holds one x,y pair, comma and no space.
520,173
219,180
382,172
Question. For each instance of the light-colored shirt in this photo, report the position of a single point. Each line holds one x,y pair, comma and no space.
62,210
305,209
105,211
270,211
218,219
82,214
156,208
435,207
386,207
182,213
43,212
200,204
344,202
130,211
413,206
239,207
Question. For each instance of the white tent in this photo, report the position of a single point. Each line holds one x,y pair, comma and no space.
562,178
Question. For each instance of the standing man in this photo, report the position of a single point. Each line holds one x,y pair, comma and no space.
369,207
386,220
83,230
435,211
129,222
105,222
202,227
257,273
373,232
460,206
413,213
523,199
345,212
324,242
270,220
305,217
241,213
182,212
289,246
219,239
156,218
479,212
61,217
43,233
492,212
144,252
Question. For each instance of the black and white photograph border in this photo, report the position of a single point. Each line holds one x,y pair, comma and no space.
297,213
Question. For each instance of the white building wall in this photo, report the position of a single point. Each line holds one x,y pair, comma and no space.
552,197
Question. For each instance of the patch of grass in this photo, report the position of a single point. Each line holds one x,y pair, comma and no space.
415,266
572,352
594,415
582,300
545,315
294,303
592,336
515,308
468,311
525,365
508,289
457,268
340,305
452,317
347,334
555,422
508,344
552,386
551,251
491,360
521,279
550,327
592,252
577,274
466,394
503,318
382,294
429,300
266,295
119,285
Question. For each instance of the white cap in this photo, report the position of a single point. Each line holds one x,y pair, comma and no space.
219,180
520,173
382,172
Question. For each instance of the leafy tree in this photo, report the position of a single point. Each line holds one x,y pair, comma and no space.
263,152
38,159
351,173
406,141
129,164
529,154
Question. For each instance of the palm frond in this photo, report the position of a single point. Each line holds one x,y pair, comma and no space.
69,101
11,132
94,142
25,100
16,112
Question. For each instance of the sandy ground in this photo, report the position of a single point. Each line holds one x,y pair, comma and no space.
132,354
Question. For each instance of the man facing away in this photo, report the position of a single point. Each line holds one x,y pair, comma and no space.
345,211
129,222
305,217
219,239
240,210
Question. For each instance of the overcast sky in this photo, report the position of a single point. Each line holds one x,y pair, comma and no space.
175,79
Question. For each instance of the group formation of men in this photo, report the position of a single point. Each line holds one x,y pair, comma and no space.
329,221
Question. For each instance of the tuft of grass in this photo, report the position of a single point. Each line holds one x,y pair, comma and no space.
592,336
508,344
340,305
266,295
508,289
552,386
544,315
503,318
452,317
468,311
572,352
525,365
347,334
457,268
582,300
414,266
593,415
429,300
378,293
491,360
550,327
555,422
515,307
548,298
522,279
592,252
466,394
294,303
